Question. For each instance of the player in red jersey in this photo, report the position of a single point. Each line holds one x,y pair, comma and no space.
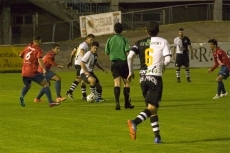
49,61
32,57
220,58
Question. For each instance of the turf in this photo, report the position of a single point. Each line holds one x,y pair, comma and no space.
190,120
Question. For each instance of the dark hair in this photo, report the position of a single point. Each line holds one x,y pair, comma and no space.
55,45
152,28
213,41
181,29
118,27
36,37
95,44
90,36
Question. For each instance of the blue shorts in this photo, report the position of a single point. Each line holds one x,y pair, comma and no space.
49,75
224,71
38,78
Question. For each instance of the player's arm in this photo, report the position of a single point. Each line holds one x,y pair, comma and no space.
167,61
174,52
42,64
107,50
214,66
167,55
191,50
83,67
82,52
130,65
72,55
174,49
21,54
99,66
50,61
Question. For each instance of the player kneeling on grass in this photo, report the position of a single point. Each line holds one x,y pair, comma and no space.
49,61
88,62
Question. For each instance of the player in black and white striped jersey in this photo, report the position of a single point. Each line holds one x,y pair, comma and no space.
78,53
88,62
155,54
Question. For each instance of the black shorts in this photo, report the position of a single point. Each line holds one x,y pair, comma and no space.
78,69
119,68
85,78
152,87
182,60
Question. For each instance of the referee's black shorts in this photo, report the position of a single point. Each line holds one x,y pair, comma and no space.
119,68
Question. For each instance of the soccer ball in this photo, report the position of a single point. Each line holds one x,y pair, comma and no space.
91,98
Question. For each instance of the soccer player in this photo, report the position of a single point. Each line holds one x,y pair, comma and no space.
32,57
155,54
78,53
220,58
117,47
181,44
49,61
89,60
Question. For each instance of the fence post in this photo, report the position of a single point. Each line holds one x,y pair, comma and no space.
54,28
71,30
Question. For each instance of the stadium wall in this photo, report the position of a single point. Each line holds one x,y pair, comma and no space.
10,61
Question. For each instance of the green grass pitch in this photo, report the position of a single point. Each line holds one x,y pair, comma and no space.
190,120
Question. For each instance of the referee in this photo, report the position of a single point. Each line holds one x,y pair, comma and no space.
117,47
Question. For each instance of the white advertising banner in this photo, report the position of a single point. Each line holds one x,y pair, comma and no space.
202,55
99,24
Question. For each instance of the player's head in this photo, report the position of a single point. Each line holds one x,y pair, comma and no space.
181,32
118,27
213,41
37,39
89,39
152,28
94,46
213,44
56,48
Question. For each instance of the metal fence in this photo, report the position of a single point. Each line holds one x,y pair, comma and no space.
68,30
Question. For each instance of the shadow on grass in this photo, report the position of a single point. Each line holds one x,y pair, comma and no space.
197,141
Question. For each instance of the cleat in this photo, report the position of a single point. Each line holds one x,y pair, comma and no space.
70,95
132,129
117,107
224,95
60,99
83,98
189,80
216,97
22,102
157,140
53,104
37,100
129,105
178,80
100,100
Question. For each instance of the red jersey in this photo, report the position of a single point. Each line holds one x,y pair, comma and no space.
30,56
48,61
220,58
